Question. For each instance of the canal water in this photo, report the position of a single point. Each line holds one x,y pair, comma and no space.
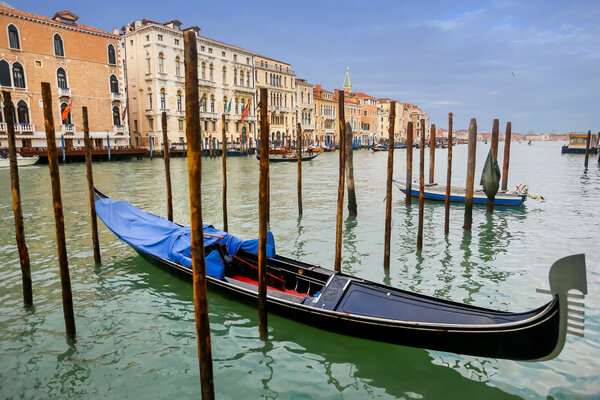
135,322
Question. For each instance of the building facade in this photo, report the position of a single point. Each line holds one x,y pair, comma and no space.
305,105
156,84
383,114
326,125
84,68
279,80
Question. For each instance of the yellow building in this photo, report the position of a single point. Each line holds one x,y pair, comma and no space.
326,126
84,67
279,80
383,123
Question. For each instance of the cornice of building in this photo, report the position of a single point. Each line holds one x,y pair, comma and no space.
48,21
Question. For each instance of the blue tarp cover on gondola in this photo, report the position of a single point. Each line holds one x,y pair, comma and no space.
165,239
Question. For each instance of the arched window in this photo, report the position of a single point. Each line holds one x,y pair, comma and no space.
163,99
265,77
177,66
241,78
203,71
236,105
203,103
212,68
13,37
22,112
225,104
112,55
179,100
4,74
66,121
59,50
114,84
224,75
248,78
161,63
212,104
235,76
61,78
116,116
18,75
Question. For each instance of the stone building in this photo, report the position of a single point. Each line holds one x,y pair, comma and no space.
84,68
383,114
305,105
279,80
156,83
326,125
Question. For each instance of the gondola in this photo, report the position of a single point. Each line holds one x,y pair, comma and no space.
289,158
433,191
352,306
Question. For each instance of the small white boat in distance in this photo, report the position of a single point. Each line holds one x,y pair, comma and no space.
21,161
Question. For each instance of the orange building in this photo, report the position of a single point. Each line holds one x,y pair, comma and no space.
368,117
84,67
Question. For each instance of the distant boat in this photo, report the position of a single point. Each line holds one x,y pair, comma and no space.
577,144
433,191
21,161
286,158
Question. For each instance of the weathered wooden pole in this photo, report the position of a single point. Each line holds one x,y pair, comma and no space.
494,148
409,162
470,175
421,186
448,177
388,197
587,148
59,220
349,163
299,155
431,153
263,205
340,199
90,179
167,157
16,199
194,162
224,156
507,137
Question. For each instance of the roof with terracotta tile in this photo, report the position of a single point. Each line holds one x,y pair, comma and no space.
76,26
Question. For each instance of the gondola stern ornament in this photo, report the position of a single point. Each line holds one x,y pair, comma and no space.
567,274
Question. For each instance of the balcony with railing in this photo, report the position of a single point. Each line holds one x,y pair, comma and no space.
25,128
329,130
245,89
208,115
149,112
68,129
64,92
276,69
306,106
119,129
278,108
3,127
330,117
115,96
307,127
206,83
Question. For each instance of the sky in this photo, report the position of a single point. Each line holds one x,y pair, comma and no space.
534,63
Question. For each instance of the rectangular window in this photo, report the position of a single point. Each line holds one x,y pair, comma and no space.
222,54
181,125
248,60
160,38
209,50
151,123
235,57
135,125
176,42
150,101
131,42
205,126
163,101
202,48
147,38
364,113
214,126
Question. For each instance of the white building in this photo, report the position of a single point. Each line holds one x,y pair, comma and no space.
156,83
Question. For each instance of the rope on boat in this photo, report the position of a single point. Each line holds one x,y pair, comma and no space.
524,190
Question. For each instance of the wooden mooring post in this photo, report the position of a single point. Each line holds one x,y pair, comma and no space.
349,166
59,219
587,149
90,180
432,140
421,186
194,161
470,175
448,177
263,206
9,112
507,138
409,162
299,155
388,197
342,173
494,148
224,159
167,157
